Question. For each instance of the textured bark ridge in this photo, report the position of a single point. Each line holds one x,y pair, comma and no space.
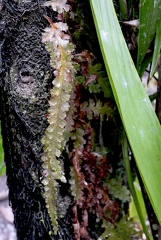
25,84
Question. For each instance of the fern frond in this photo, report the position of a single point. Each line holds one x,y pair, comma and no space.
60,49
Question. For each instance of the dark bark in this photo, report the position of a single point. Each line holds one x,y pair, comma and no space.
24,91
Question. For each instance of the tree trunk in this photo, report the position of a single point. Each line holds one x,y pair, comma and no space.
25,83
94,151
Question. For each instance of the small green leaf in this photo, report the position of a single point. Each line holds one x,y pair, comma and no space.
122,230
117,190
94,88
80,79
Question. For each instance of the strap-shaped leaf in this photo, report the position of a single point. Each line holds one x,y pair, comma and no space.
123,9
141,212
140,122
157,48
149,14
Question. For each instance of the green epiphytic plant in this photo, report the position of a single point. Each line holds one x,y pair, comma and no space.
60,48
81,104
139,120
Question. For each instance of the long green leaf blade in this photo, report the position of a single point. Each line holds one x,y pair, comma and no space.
131,186
157,48
150,12
123,9
139,120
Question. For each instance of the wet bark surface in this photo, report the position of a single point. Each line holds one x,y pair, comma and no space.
24,92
